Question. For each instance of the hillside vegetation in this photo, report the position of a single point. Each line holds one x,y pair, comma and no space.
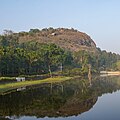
68,39
65,51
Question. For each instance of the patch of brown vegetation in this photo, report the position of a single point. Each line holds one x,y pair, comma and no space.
68,39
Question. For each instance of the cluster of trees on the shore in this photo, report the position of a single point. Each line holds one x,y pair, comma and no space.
30,57
37,58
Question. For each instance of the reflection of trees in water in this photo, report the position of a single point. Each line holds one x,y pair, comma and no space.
61,99
106,85
60,84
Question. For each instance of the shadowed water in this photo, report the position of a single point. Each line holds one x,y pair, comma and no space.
78,99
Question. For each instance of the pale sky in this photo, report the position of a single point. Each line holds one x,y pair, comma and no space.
98,18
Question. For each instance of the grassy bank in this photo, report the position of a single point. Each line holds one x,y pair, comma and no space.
7,78
10,86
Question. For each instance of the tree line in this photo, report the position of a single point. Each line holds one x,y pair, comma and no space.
29,58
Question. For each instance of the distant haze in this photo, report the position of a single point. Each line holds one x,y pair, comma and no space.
98,18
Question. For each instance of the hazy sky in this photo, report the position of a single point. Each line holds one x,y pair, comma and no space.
98,18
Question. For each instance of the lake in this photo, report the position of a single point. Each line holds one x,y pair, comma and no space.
78,99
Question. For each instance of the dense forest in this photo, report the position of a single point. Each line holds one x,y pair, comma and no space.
32,57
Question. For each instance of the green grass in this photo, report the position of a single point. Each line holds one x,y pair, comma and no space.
7,78
10,86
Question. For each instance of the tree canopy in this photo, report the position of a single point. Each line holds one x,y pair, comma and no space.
31,57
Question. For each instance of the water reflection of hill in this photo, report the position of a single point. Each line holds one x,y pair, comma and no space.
64,99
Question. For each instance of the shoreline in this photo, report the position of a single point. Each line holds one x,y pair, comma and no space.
10,86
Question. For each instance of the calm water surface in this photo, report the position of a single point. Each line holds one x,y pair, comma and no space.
78,99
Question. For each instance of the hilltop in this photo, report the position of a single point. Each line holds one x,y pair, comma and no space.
68,39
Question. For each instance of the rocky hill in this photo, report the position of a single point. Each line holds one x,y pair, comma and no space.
68,39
